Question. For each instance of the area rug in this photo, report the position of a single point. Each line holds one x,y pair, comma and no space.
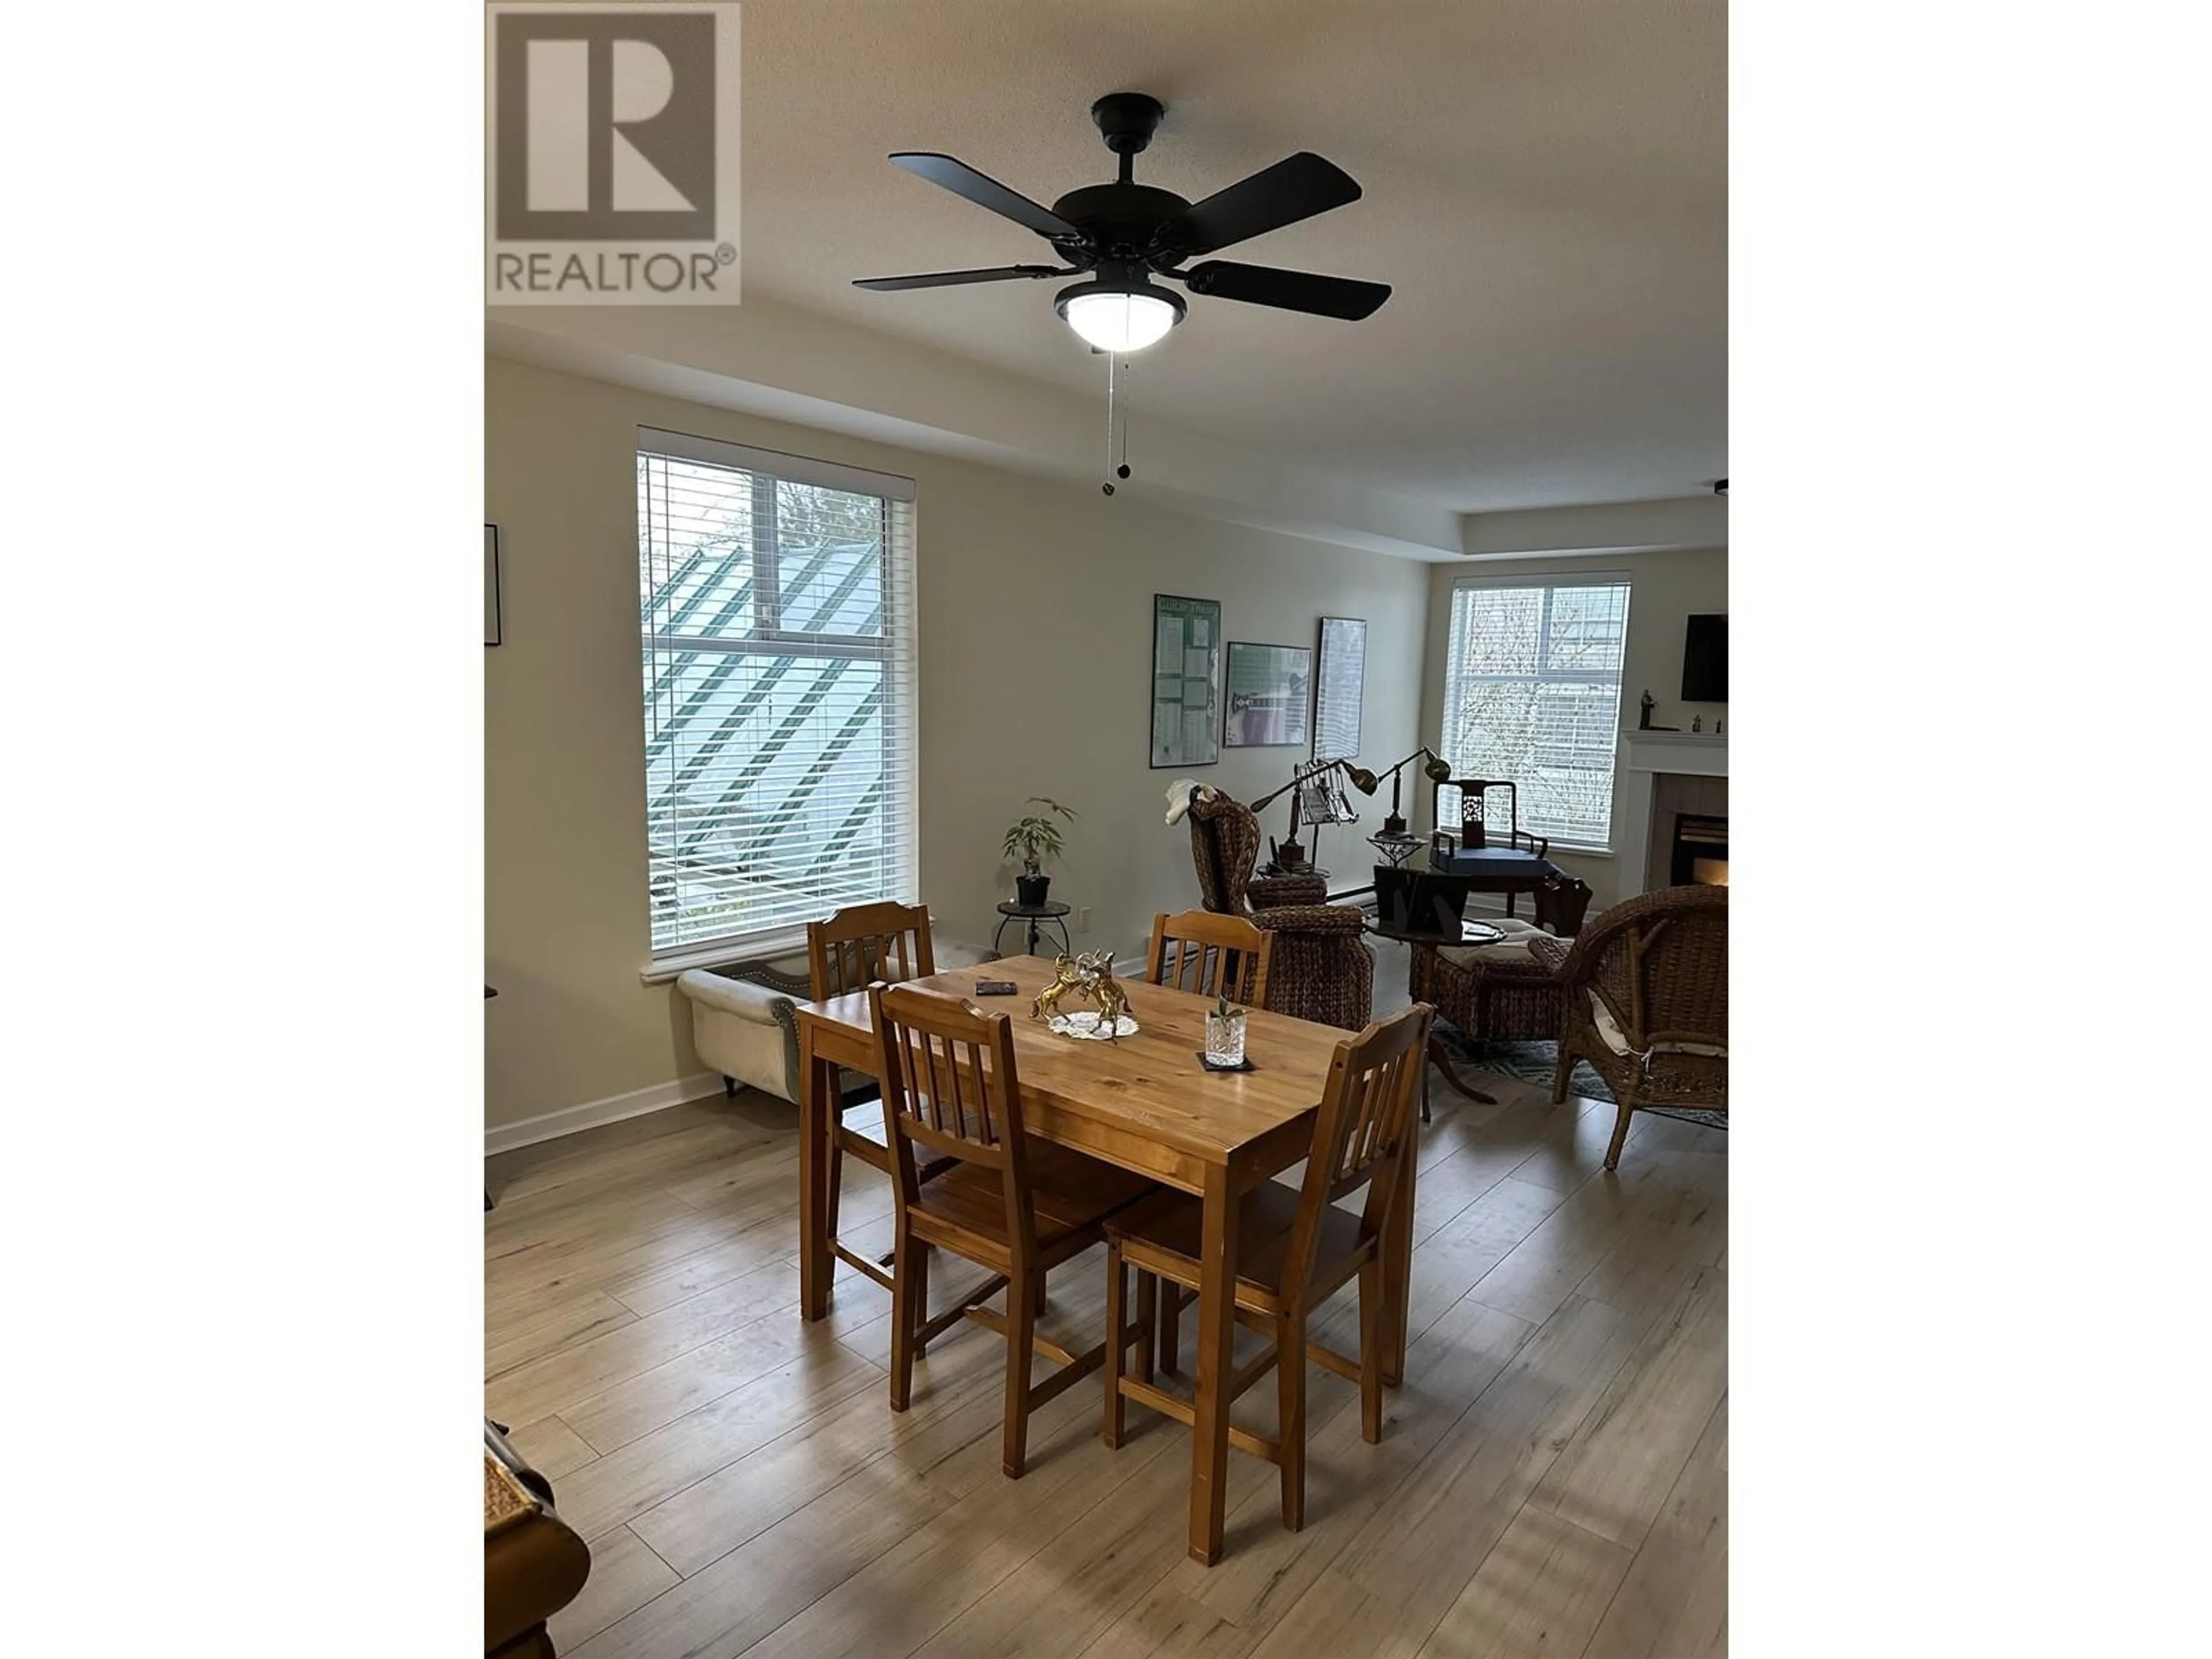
1534,1063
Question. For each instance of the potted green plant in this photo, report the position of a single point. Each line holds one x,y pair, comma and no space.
1033,839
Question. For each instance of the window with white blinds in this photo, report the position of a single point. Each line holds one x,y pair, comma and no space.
778,607
1532,693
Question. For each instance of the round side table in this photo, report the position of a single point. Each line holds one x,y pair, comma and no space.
1038,916
1422,947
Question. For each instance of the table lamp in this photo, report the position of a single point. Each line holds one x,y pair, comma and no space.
1438,769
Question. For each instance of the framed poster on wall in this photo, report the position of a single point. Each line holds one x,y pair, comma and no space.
1339,687
1270,689
1186,680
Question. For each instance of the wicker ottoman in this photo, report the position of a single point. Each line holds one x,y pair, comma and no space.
1495,992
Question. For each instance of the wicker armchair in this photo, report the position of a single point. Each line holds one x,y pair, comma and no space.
1322,968
1646,993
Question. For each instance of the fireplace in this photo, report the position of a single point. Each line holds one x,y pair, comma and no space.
1667,778
1700,851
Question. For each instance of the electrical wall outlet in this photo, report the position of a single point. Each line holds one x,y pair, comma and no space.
1082,919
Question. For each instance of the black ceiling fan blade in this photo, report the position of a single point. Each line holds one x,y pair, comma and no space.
1287,290
951,278
1293,189
961,180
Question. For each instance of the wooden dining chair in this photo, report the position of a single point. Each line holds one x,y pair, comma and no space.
855,948
1295,1248
1014,1208
1212,955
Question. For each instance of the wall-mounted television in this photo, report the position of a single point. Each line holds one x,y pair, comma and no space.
1704,660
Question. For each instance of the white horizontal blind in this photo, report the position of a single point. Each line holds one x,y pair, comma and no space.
1532,693
778,617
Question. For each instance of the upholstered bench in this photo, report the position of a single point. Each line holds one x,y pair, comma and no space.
744,1023
1496,992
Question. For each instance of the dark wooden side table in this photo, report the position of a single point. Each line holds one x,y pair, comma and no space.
1423,947
1051,914
1562,900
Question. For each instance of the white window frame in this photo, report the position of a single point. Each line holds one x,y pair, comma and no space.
897,650
1620,578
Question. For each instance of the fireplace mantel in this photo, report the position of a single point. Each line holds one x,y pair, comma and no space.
1692,754
1645,755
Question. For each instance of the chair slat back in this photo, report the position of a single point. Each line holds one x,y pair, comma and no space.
1211,955
1475,819
864,942
1361,1131
950,1085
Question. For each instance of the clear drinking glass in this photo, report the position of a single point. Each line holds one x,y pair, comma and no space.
1224,1039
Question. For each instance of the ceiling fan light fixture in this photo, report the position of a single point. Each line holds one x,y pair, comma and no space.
1118,319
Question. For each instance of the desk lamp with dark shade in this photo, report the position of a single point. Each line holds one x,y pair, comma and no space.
1438,770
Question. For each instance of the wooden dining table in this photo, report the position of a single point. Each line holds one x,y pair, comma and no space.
1143,1103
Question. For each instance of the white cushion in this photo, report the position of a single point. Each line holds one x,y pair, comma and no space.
1513,948
1610,1034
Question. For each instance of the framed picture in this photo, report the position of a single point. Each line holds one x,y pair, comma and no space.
1270,690
491,584
1339,687
1186,680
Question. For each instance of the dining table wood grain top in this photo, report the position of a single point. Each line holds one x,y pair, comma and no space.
1147,1093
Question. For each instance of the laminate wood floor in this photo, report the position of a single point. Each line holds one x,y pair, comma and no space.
1553,1477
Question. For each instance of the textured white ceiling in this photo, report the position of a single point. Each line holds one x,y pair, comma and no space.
1546,188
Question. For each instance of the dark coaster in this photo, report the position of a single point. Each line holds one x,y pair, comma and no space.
1245,1065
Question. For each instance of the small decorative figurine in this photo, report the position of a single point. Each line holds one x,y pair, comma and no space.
1065,978
1112,1000
1089,977
1697,722
1644,706
1716,725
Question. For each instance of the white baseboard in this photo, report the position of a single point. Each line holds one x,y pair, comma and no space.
614,1109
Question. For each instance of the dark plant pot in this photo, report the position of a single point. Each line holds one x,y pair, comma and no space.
1032,890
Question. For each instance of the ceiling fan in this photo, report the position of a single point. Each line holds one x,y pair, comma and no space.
1124,234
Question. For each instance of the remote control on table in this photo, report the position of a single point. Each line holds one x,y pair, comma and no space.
995,988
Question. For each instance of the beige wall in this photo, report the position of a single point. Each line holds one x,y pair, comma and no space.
1036,628
1664,590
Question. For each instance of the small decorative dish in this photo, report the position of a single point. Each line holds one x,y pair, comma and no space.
1085,1025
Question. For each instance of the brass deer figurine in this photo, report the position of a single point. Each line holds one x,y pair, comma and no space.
1112,1000
1087,978
1065,977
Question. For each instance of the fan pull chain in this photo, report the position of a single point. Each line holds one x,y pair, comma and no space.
1110,385
1117,417
1123,469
